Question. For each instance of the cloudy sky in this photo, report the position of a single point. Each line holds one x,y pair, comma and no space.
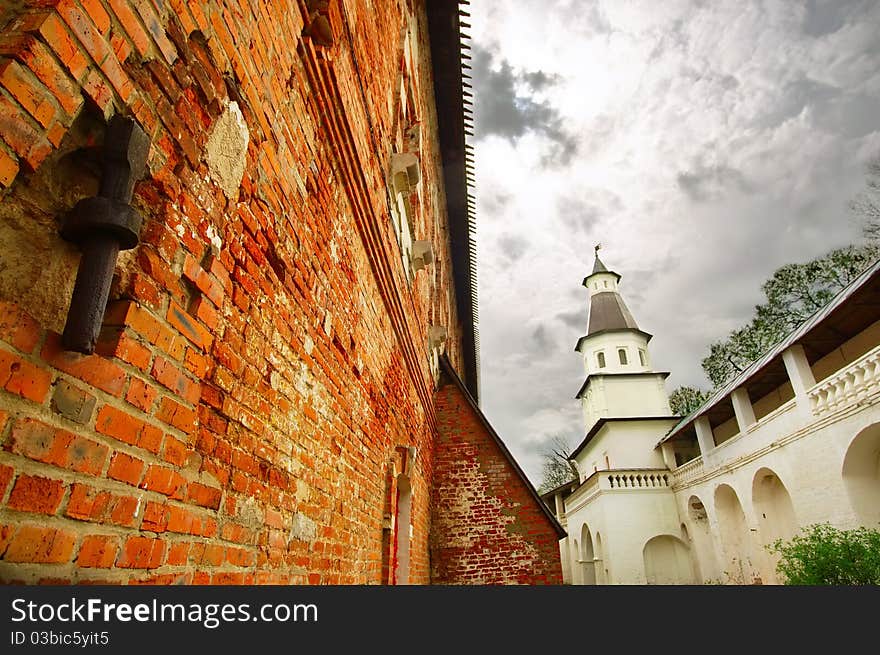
704,143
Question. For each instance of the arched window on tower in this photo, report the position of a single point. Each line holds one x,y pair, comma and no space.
642,357
601,359
621,353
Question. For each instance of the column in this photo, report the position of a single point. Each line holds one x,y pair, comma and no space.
668,451
742,407
799,371
704,435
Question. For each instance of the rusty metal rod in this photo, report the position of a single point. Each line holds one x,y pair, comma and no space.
90,292
103,225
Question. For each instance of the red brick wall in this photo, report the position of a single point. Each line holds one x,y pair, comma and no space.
239,417
488,527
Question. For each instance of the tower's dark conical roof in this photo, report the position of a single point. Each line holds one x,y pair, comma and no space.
598,266
609,312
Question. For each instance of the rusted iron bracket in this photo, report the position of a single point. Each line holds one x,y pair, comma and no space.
102,226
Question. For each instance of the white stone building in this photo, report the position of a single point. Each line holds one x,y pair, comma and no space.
793,440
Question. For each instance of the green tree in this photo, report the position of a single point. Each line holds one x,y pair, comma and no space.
866,204
793,294
556,470
685,400
824,555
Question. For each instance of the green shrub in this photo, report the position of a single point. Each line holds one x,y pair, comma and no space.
824,555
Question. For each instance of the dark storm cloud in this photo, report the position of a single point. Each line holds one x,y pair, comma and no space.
539,80
495,203
794,97
581,215
573,319
503,111
702,183
824,17
513,246
541,341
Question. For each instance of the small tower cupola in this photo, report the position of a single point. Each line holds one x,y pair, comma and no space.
601,280
617,362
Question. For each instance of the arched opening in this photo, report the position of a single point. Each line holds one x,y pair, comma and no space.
667,561
601,359
699,537
403,531
861,475
588,565
734,533
603,575
776,518
621,354
695,562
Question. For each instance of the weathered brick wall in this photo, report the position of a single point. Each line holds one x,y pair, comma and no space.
263,356
488,526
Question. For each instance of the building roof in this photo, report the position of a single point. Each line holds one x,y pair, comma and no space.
583,389
447,368
609,312
598,425
849,312
598,266
453,110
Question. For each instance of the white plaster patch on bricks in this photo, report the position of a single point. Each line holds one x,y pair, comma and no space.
226,150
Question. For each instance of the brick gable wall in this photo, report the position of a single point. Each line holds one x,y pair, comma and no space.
488,526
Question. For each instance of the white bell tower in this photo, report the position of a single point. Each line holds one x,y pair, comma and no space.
621,388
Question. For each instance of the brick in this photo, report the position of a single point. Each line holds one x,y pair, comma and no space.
203,495
43,443
141,395
6,475
87,503
178,554
28,90
131,24
116,423
115,342
96,12
98,551
57,36
23,378
40,545
155,517
19,133
85,30
163,480
37,57
72,403
92,369
141,553
36,494
176,415
156,30
18,328
174,451
8,167
98,90
126,468
139,319
171,377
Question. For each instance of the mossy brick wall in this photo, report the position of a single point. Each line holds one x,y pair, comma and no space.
262,354
488,528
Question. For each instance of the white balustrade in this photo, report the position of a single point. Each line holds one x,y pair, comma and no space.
848,385
688,471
